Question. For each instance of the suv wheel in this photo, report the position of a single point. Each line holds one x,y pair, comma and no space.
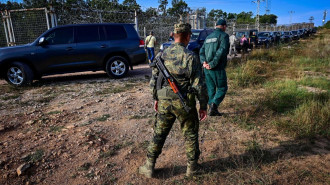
19,74
117,67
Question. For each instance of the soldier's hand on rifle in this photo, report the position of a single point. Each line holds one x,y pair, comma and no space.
156,106
202,115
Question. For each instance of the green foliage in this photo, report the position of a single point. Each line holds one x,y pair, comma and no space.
131,5
245,17
163,6
311,118
327,25
34,157
216,14
285,96
85,167
318,82
252,72
314,64
103,117
179,7
56,129
270,19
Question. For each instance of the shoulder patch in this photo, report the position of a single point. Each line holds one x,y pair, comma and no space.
211,40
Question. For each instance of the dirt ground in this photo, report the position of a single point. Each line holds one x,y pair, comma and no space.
89,129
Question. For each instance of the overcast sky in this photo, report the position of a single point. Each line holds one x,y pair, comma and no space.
303,9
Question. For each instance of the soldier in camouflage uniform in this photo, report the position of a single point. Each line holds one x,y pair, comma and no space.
213,56
186,69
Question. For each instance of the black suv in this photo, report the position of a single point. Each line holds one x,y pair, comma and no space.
248,34
73,48
265,39
196,41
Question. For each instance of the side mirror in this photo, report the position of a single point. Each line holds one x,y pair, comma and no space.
42,41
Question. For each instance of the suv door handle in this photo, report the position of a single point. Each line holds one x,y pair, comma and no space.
69,48
103,46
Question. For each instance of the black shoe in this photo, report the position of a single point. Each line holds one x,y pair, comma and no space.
214,110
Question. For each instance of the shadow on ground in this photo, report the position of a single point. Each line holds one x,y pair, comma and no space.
254,158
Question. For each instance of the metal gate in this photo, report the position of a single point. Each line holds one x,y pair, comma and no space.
23,26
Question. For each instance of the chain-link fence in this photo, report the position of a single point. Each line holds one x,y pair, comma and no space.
28,24
22,26
3,40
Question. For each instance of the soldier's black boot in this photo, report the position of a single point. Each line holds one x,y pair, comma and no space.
214,110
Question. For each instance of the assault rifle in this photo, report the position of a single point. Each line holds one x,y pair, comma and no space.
170,80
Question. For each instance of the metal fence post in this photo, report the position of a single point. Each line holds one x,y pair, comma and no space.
136,22
5,26
53,19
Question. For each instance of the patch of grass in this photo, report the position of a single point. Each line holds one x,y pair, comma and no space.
253,72
313,64
54,112
318,82
139,116
103,117
283,96
6,88
10,97
116,89
55,129
34,157
46,99
310,119
85,167
144,145
90,175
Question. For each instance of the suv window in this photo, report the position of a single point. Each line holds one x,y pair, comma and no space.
60,36
115,32
88,34
203,35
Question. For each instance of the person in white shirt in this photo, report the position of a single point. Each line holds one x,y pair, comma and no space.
150,43
232,41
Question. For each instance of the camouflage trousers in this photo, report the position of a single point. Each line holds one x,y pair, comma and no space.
168,112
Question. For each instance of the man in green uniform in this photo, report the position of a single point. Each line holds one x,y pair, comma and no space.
186,69
213,56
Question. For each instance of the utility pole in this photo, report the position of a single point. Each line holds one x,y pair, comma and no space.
311,19
268,2
324,17
291,12
258,12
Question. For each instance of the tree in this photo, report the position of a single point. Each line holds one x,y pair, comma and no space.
162,6
215,15
245,17
150,12
231,16
179,7
10,6
132,5
270,19
327,25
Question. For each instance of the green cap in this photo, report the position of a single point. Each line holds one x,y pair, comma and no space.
181,28
221,22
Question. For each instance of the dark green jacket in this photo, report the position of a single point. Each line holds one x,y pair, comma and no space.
185,67
215,49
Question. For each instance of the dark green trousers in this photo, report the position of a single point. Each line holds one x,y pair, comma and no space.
216,83
168,112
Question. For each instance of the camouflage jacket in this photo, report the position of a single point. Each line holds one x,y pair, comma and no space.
186,69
